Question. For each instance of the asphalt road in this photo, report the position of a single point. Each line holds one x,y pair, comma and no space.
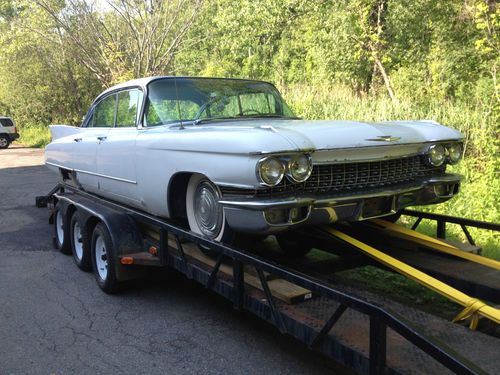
55,320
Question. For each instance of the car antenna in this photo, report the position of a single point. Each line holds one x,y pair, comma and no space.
178,104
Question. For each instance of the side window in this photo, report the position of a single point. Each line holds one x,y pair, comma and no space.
104,113
7,122
128,106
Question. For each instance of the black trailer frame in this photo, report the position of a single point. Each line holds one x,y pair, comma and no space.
124,221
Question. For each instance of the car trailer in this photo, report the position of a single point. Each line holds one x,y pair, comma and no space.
368,334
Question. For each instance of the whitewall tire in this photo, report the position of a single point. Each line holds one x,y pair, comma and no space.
204,213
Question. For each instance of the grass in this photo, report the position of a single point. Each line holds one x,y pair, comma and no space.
34,136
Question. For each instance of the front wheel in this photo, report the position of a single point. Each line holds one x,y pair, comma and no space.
104,259
204,212
4,141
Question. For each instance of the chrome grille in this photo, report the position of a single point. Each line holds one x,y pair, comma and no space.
350,177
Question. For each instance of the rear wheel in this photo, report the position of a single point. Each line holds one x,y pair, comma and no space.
293,244
104,259
204,212
80,244
4,141
61,232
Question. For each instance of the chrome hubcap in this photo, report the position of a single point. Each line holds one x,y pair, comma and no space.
101,258
207,210
77,241
3,142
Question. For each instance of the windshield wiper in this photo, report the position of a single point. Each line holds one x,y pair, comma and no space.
271,116
210,119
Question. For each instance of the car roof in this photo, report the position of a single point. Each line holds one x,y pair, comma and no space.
143,82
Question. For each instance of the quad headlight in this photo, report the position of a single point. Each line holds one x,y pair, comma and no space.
436,155
271,170
455,151
299,168
296,167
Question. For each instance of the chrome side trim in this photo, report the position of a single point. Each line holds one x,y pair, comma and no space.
267,203
92,173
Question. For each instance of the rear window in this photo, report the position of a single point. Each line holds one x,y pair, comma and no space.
6,122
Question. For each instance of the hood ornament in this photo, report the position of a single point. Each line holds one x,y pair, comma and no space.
384,138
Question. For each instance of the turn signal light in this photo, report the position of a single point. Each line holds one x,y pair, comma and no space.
127,260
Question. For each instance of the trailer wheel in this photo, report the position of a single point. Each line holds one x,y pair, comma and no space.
104,259
293,244
61,232
80,243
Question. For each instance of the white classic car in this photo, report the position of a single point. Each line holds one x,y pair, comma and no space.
227,156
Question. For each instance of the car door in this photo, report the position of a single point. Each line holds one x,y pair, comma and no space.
84,145
116,157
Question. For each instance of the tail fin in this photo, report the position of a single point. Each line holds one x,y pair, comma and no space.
59,131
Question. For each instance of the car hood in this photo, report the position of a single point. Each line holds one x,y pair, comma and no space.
349,134
326,134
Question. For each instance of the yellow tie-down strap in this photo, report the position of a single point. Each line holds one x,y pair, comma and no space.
432,243
473,307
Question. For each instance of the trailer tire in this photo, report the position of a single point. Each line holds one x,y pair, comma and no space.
61,232
293,244
80,243
104,259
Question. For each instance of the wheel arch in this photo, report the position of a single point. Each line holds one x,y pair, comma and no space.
176,194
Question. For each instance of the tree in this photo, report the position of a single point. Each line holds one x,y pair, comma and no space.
132,38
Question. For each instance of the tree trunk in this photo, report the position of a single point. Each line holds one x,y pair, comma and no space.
386,79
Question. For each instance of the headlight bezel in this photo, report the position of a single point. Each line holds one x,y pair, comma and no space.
260,172
433,147
289,168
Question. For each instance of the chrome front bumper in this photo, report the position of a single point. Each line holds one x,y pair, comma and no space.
253,215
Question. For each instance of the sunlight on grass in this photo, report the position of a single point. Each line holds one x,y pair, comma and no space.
34,136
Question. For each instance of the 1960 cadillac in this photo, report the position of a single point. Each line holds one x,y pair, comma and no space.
228,156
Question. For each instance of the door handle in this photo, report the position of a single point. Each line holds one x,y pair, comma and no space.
102,138
77,139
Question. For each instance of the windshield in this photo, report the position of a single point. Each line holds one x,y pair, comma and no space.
200,99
